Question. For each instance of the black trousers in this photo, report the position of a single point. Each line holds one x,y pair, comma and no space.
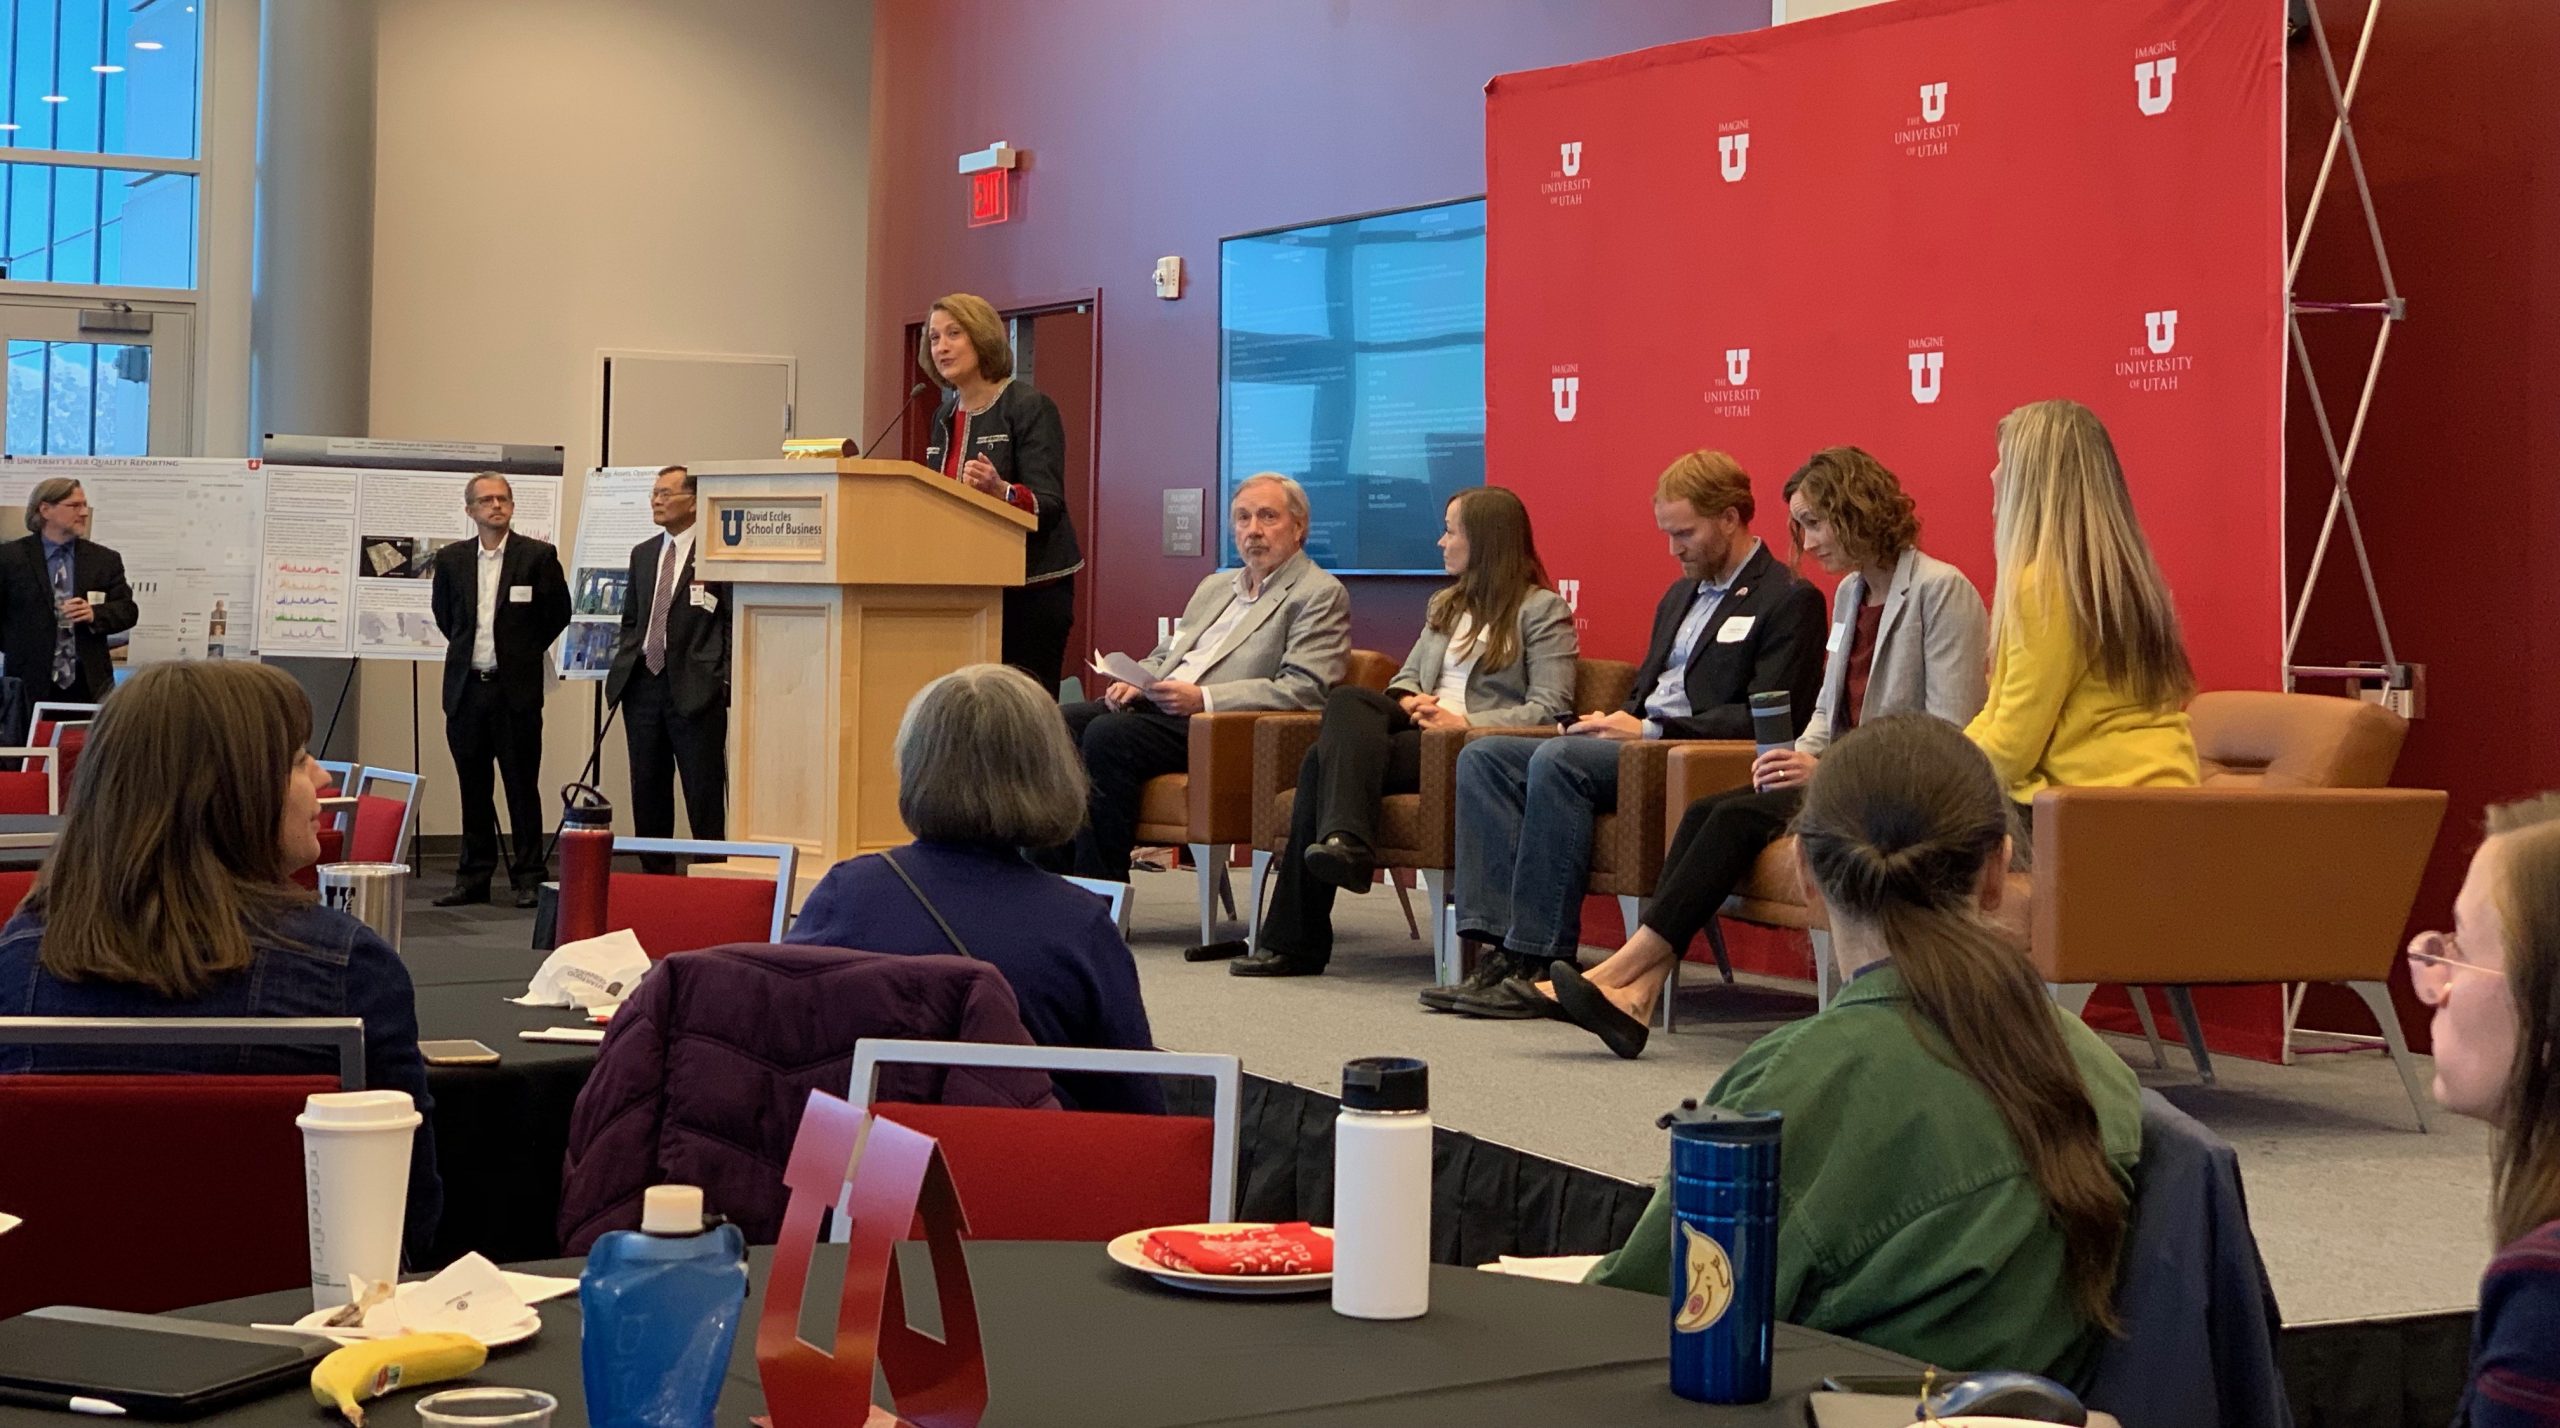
664,744
1122,749
1720,837
1367,748
487,740
1036,621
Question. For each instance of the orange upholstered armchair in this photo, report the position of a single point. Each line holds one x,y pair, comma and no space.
1209,808
1417,831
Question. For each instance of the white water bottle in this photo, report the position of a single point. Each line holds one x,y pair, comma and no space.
1382,1190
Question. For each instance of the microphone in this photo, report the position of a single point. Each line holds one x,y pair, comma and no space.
912,393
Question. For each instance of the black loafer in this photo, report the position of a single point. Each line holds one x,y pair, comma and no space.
1272,964
1586,1006
1341,863
1511,999
1215,951
464,895
1490,970
528,897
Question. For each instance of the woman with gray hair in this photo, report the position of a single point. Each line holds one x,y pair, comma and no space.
984,770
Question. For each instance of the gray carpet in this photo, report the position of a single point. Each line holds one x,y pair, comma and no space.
2357,1214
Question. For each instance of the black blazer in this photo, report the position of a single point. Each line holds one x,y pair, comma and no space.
1021,435
26,613
525,628
697,639
1782,650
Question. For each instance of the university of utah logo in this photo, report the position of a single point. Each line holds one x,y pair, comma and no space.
2155,366
1567,392
733,525
1927,134
2160,331
1933,103
1733,156
1571,590
1737,365
1735,397
1570,156
1566,186
1927,371
2155,85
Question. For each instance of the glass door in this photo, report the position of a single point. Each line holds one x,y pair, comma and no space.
96,379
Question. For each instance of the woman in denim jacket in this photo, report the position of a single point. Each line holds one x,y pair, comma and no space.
170,893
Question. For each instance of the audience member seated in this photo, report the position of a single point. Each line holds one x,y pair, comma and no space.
2494,982
2089,676
1907,634
170,893
984,770
1497,649
1955,1169
1274,633
1736,623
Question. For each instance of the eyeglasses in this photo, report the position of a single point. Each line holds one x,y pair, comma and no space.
2433,959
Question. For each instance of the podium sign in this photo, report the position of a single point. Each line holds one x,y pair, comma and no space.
853,585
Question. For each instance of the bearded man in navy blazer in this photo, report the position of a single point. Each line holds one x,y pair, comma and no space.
61,595
500,601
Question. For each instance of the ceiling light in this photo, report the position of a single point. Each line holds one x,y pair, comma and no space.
146,44
57,99
6,128
106,69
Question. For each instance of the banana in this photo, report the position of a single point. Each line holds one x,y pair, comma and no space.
380,1366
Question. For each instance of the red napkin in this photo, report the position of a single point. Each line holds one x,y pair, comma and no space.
1293,1248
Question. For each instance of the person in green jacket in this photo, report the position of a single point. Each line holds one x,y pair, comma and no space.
1955,1176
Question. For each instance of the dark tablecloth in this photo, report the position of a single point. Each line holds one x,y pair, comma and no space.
1074,1339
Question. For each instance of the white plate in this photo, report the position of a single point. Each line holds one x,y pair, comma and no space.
520,1331
1130,1251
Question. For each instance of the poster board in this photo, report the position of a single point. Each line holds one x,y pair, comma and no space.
613,518
402,519
191,532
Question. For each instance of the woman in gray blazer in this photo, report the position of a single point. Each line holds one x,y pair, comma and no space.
1497,648
1908,634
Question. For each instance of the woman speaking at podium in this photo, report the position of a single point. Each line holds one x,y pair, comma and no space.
1000,436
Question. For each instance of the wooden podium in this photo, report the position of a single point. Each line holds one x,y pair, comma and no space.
853,584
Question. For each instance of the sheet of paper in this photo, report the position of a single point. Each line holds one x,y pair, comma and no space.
613,516
1124,669
1562,1268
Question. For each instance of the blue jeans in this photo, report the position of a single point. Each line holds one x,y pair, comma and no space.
1525,809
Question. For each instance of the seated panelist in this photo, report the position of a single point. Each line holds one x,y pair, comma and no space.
1497,649
1273,633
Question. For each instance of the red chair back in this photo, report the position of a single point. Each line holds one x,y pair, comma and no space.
377,830
97,1201
672,913
1068,1175
14,888
24,791
74,737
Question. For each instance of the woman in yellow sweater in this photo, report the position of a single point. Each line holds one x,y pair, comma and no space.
2089,678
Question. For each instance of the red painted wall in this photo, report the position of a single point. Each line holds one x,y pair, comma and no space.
2460,129
1157,127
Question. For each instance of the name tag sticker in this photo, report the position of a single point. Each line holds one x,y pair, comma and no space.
704,599
97,597
1839,638
1734,631
519,594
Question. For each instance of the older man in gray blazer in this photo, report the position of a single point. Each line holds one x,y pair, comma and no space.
1275,633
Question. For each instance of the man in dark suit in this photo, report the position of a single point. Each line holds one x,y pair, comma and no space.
61,595
500,601
1736,623
670,676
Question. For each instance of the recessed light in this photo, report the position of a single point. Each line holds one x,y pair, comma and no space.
147,44
8,128
106,69
57,99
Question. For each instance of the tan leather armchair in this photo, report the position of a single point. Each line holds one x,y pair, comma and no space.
1416,831
1208,808
2289,863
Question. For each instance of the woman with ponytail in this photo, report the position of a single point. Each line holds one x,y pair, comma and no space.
1956,1170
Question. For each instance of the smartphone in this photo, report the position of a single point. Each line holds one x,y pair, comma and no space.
457,1053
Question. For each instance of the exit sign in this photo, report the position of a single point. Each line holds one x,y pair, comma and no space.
990,197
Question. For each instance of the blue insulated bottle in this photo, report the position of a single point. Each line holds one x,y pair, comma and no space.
1724,1253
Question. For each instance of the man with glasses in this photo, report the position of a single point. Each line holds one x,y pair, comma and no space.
500,600
670,676
61,595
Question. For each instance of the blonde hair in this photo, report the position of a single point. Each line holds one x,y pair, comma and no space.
983,757
1710,481
979,321
2061,506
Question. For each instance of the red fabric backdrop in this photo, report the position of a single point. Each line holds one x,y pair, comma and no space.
1888,228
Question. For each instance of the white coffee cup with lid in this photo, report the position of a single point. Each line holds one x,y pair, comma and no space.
355,1178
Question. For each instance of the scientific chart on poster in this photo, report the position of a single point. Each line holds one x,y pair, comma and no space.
191,533
612,518
306,591
402,519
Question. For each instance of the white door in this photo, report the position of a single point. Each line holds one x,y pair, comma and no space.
669,408
91,379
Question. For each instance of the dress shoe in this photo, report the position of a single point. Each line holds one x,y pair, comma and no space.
1215,951
1515,998
1272,964
1491,968
1588,1007
529,897
1342,863
464,894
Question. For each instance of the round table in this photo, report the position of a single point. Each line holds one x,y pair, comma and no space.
1073,1339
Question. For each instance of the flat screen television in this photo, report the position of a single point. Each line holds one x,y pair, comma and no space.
1351,356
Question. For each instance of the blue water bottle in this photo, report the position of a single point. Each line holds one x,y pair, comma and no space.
661,1306
1724,1252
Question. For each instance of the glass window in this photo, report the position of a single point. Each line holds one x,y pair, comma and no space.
79,399
103,77
108,226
